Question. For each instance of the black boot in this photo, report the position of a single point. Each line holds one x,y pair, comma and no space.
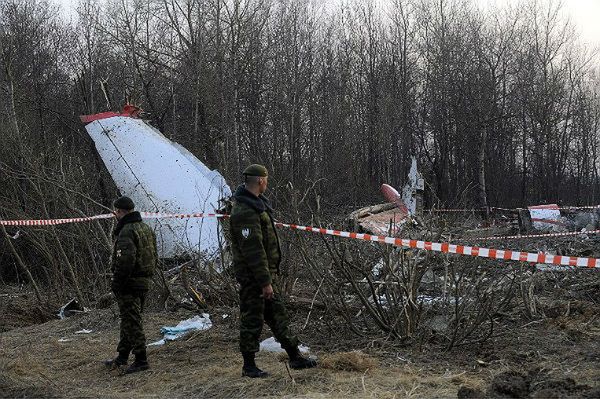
249,368
297,361
140,363
119,361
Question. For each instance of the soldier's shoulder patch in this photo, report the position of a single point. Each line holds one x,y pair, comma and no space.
246,231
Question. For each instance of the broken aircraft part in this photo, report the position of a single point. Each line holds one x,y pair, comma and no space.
392,195
161,176
412,192
546,218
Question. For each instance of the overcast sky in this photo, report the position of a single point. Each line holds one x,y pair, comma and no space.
584,13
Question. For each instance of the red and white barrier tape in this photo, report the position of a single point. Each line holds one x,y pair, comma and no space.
570,233
562,208
424,245
457,249
457,210
578,207
147,215
52,222
153,215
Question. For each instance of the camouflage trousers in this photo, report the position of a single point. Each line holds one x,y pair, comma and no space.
132,330
254,311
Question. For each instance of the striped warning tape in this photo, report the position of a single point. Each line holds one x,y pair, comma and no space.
542,235
465,210
147,215
156,215
504,209
564,208
153,215
560,208
578,207
424,245
52,222
457,249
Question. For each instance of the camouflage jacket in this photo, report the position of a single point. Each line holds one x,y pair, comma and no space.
134,255
256,251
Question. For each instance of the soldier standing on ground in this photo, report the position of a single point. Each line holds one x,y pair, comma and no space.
256,258
134,262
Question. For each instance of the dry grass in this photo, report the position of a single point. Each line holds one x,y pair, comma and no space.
349,361
34,364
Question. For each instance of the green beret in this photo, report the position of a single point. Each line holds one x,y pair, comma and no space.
256,170
124,203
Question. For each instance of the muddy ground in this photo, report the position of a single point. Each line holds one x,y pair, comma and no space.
555,356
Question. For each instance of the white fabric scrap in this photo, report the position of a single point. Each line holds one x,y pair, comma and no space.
270,345
196,323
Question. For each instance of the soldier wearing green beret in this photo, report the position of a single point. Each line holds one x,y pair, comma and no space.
256,258
134,261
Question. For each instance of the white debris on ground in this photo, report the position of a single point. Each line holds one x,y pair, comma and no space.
271,345
70,308
543,267
432,300
196,323
583,235
378,268
84,331
546,218
162,176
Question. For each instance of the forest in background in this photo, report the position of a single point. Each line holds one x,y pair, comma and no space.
501,108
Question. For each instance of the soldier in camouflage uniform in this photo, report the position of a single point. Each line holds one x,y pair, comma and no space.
134,262
256,257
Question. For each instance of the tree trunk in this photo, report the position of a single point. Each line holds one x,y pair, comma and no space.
481,172
22,264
